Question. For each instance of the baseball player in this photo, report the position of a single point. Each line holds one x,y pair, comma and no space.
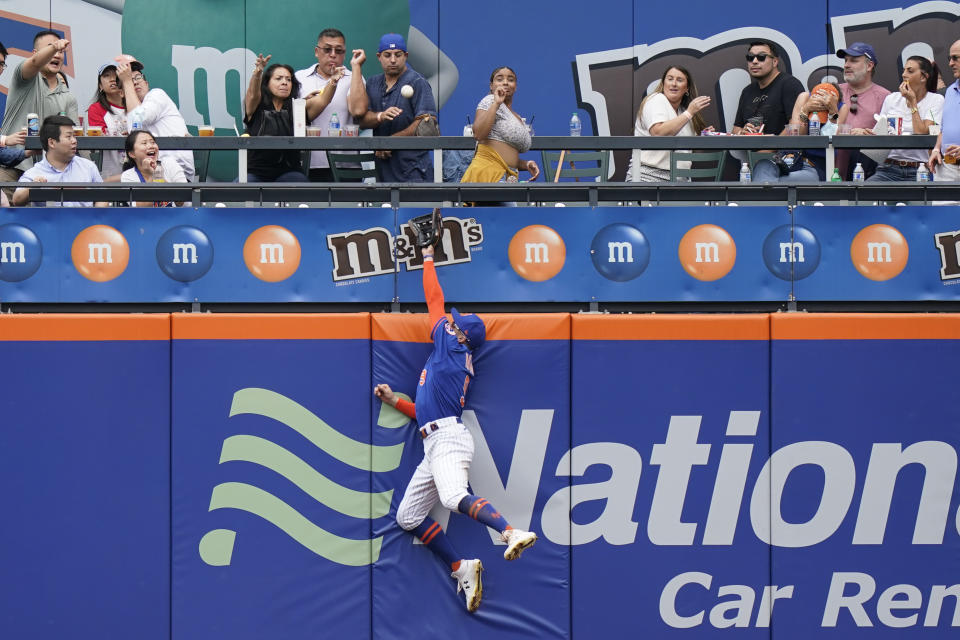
447,444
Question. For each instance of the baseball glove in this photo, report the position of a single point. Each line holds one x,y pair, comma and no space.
427,227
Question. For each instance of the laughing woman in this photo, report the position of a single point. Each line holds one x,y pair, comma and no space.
673,109
143,165
501,134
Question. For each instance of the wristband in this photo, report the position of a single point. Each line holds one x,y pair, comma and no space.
430,258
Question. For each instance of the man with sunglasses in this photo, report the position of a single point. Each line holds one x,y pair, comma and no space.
388,113
329,79
945,157
864,99
767,102
447,444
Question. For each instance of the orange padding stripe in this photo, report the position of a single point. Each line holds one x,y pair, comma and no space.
407,327
672,327
271,326
81,327
867,326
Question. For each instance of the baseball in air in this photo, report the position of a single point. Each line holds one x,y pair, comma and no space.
406,91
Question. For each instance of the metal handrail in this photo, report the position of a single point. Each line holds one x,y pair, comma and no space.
377,143
588,193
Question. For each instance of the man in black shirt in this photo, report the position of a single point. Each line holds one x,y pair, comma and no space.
768,101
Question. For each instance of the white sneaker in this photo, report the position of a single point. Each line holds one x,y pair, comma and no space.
468,580
517,540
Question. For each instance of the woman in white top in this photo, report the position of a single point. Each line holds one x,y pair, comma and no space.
916,101
143,165
673,109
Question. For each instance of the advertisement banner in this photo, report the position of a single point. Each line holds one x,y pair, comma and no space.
271,467
85,466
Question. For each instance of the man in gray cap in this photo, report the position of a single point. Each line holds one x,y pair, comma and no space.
864,99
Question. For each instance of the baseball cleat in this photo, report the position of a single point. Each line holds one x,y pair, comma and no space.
468,580
517,540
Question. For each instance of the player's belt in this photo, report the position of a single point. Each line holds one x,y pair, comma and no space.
437,424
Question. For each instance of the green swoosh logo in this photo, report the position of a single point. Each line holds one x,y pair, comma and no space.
361,455
356,504
216,546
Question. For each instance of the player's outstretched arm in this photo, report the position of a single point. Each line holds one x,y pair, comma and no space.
386,395
431,288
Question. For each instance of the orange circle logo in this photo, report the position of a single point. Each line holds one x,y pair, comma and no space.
272,253
879,252
100,253
707,252
537,253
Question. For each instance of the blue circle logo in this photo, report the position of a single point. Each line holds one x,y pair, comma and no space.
185,253
620,252
20,253
801,253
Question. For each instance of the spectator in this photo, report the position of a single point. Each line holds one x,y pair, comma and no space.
945,158
384,109
158,113
143,165
315,81
500,133
269,108
919,104
36,88
767,102
809,165
60,163
864,98
108,111
672,109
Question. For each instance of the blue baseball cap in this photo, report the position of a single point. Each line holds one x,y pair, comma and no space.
858,49
472,327
392,41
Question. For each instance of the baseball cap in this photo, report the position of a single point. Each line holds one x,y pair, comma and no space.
106,66
472,327
859,49
392,41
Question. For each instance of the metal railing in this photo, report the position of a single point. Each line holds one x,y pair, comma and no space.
590,193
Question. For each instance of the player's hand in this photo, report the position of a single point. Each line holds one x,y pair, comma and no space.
358,57
427,251
385,393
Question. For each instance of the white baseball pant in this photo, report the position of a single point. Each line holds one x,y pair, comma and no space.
441,476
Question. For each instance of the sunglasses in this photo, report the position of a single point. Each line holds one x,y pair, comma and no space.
853,104
757,56
954,58
335,50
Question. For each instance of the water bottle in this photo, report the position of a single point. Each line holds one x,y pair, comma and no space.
136,119
745,175
814,124
575,126
333,129
836,176
923,175
858,175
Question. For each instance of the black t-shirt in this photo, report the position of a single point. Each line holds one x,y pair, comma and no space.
774,103
270,164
